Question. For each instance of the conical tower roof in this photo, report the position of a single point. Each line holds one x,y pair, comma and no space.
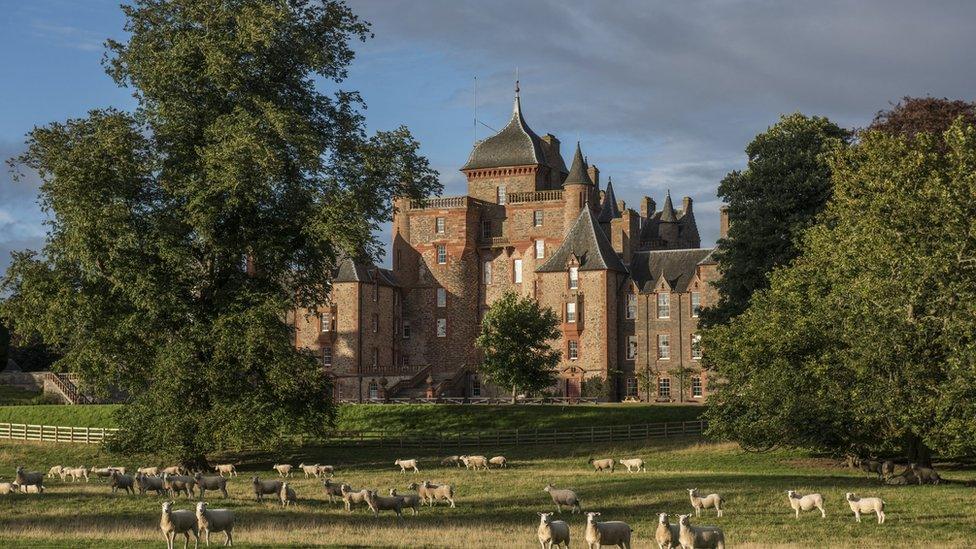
609,209
578,174
668,215
515,145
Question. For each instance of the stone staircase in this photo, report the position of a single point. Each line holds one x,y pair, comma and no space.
66,388
444,383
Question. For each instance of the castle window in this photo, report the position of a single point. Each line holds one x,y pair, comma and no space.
573,350
475,387
537,218
374,390
631,387
696,352
631,306
631,347
571,312
327,356
502,198
486,229
439,225
663,347
696,387
664,305
487,272
441,254
441,297
573,278
441,327
695,304
406,329
517,271
327,320
540,249
664,387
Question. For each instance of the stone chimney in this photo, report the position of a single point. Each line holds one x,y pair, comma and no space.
647,207
594,175
552,141
622,206
723,223
686,205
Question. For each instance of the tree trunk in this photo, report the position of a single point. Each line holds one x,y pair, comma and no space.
917,452
514,396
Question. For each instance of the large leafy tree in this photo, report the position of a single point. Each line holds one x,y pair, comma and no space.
865,342
927,115
183,233
515,336
779,194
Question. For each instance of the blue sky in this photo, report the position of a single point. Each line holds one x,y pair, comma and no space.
663,95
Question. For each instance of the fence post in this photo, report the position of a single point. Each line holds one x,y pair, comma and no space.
666,429
611,434
516,436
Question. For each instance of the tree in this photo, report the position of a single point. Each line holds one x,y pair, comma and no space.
864,344
4,345
515,335
779,195
183,233
929,115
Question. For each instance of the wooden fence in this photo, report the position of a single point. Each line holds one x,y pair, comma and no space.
51,433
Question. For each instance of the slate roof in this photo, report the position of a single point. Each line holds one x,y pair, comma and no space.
609,209
358,271
587,241
677,266
578,173
515,145
668,215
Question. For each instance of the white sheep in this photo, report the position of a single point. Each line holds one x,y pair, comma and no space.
350,497
228,468
562,497
25,478
326,470
599,534
56,471
76,473
806,502
30,488
333,490
8,488
667,535
474,462
700,502
173,470
699,537
499,461
215,520
635,464
409,500
287,495
284,470
151,471
309,470
552,533
436,492
379,503
865,505
407,464
452,460
602,464
178,522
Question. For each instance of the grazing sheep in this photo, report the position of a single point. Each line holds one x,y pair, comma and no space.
602,464
635,464
703,537
865,505
700,502
146,483
379,503
808,502
312,470
667,535
499,461
178,522
56,471
30,489
452,460
265,487
25,478
284,470
887,469
103,472
350,497
871,466
210,483
179,483
333,490
151,471
474,462
409,500
563,497
123,482
228,468
173,470
76,472
436,492
552,533
287,495
924,474
407,464
215,520
599,534
326,470
8,488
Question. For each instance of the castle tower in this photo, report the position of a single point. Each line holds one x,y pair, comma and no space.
577,188
668,229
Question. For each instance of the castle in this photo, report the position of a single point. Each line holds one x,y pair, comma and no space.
627,285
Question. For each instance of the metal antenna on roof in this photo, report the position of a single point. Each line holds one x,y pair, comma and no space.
475,109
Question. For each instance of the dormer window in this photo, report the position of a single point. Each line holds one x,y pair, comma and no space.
573,278
663,305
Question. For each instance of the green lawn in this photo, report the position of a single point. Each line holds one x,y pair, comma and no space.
15,396
497,508
95,415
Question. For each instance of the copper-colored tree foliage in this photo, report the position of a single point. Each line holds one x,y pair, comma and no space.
913,115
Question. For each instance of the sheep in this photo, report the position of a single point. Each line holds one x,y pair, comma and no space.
283,470
228,468
350,497
667,535
178,522
474,462
865,505
173,470
264,487
287,495
123,482
887,469
924,474
500,461
635,464
871,466
25,478
8,488
210,483
407,464
452,460
333,490
704,537
326,470
215,520
602,464
146,483
76,472
56,471
552,533
438,492
611,533
562,497
150,471
706,502
179,483
379,503
808,502
312,470
30,488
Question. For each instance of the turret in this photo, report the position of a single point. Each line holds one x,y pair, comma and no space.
577,188
668,229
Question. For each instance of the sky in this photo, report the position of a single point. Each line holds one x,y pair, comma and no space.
662,95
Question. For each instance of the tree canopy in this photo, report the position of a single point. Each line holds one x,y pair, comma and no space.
183,233
515,336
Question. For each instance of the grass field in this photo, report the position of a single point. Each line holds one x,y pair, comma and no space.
16,396
397,418
497,508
